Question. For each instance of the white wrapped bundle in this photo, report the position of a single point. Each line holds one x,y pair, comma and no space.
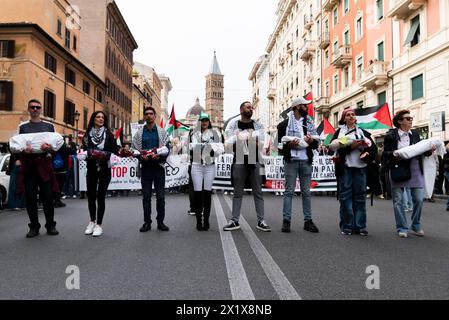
421,148
20,142
302,143
81,156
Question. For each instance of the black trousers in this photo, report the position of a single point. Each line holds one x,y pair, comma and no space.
97,187
34,186
156,174
60,178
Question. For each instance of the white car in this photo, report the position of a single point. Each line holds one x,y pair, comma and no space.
4,179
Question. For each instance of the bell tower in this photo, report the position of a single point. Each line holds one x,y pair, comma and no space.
215,94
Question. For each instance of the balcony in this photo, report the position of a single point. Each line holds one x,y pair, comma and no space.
271,94
308,22
272,75
375,76
342,57
402,9
322,105
328,5
307,50
325,40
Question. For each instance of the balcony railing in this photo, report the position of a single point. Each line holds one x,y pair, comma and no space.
328,5
375,76
342,56
322,105
402,9
307,50
324,40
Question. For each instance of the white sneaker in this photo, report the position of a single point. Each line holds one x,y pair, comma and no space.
419,233
403,235
90,229
98,231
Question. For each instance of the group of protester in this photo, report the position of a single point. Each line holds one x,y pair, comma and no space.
353,149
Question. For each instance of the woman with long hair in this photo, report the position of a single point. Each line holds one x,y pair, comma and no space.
99,142
205,145
355,150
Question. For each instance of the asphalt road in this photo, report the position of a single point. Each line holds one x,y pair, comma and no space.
186,264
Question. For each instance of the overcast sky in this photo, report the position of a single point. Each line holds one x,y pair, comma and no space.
178,38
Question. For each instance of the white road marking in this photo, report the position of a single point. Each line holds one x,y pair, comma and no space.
238,281
278,280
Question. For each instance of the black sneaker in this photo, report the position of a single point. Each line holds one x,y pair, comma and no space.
32,233
346,232
262,226
286,226
231,226
311,227
146,227
52,231
162,227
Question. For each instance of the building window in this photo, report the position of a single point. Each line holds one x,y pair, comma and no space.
347,38
359,28
327,89
49,104
417,87
50,62
346,73
382,98
336,84
360,104
99,96
380,51
86,87
7,49
75,40
336,120
380,9
346,5
59,28
85,117
69,112
6,95
359,68
414,33
70,76
67,38
335,14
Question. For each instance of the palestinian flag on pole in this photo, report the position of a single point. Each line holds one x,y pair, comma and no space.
326,131
374,118
174,124
119,137
311,112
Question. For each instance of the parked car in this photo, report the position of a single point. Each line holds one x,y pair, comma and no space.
4,179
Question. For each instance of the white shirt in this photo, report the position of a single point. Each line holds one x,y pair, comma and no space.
299,154
404,139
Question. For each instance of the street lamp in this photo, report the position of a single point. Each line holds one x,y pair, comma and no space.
77,118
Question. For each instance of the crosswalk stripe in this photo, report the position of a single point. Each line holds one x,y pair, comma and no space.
278,280
238,281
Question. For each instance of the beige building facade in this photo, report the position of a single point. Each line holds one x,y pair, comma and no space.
35,63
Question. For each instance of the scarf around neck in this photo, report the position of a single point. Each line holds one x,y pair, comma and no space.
98,137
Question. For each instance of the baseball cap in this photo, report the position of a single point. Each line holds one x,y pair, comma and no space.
300,101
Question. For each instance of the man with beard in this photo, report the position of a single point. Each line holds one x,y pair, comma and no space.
247,138
296,144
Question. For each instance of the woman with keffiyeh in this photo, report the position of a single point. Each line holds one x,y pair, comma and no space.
355,149
99,143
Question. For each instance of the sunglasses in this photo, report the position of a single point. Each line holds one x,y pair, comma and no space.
408,118
35,108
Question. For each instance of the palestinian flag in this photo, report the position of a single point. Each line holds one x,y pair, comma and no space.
175,125
311,112
374,118
326,131
119,137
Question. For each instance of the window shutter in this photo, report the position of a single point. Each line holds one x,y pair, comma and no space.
11,49
9,95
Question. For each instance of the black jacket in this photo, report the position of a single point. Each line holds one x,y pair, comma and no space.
391,144
110,147
286,151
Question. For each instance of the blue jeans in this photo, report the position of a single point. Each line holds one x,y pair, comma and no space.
292,170
156,174
399,212
352,191
408,202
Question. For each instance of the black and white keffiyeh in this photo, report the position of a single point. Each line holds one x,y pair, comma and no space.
98,137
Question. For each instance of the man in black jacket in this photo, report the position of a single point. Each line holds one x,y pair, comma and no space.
296,144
